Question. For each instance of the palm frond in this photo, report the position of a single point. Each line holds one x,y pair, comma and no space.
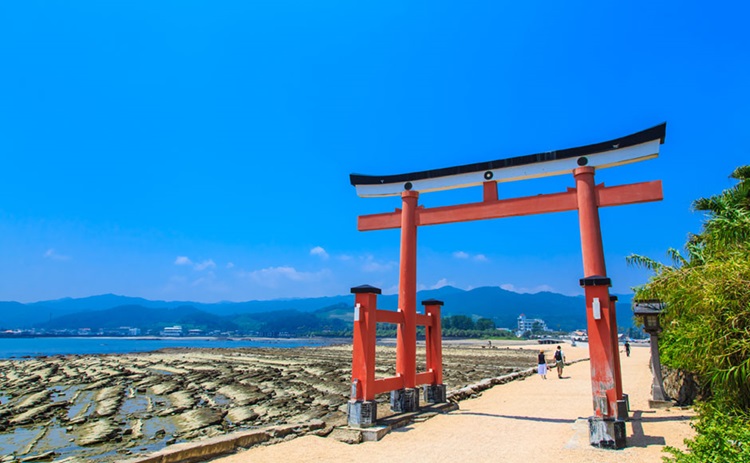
637,260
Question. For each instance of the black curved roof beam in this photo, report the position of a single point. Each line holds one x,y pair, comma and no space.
636,147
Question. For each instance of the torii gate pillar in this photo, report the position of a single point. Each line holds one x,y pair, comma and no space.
606,427
407,399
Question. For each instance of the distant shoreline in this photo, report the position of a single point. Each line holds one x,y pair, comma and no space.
161,338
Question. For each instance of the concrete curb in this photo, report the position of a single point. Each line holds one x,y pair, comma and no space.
221,445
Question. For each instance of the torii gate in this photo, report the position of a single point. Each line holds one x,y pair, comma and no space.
607,426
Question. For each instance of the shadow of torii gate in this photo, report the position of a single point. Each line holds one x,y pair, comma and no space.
607,425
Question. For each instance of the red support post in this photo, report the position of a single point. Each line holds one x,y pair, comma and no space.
363,349
489,191
435,391
615,343
406,340
600,346
434,340
588,217
604,430
362,409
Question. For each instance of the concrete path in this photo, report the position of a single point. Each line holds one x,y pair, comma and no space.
531,420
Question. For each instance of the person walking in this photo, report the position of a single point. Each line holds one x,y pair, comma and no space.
627,348
542,365
559,361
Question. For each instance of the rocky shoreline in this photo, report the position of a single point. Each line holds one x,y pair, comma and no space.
109,407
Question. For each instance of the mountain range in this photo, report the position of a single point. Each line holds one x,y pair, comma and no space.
334,312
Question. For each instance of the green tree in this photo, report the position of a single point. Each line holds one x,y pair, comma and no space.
707,313
485,324
536,328
461,322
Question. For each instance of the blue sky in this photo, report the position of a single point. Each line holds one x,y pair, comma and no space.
194,150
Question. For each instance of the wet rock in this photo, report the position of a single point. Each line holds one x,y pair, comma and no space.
31,400
197,419
36,414
46,456
241,415
96,432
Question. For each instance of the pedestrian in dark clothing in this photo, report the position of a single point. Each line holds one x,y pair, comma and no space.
542,365
627,348
559,361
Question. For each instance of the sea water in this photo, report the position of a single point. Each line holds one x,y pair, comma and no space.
15,348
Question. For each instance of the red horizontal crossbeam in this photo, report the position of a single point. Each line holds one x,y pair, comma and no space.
427,377
424,320
389,316
495,209
388,384
397,382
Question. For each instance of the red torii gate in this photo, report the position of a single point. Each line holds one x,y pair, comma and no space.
607,427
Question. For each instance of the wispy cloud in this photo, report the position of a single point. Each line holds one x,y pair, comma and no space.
372,265
197,266
273,277
209,263
183,260
53,255
320,252
522,290
466,256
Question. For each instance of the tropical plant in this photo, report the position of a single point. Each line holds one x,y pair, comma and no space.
706,319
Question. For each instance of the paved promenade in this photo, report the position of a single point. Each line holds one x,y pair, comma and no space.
532,420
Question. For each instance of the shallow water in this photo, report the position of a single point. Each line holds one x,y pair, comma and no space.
45,346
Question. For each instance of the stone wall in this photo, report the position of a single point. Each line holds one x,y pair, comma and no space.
682,386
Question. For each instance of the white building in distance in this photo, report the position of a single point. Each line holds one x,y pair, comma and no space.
527,324
171,331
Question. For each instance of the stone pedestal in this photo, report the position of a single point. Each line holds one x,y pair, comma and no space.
434,394
405,400
622,409
607,433
660,404
362,413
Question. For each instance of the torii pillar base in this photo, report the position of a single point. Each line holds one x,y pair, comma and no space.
607,433
434,393
405,400
362,413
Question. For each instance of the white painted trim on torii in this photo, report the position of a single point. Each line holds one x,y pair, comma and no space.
611,158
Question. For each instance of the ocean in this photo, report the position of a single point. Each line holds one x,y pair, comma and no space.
18,348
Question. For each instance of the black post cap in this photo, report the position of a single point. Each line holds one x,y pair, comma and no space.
432,302
613,298
595,280
365,289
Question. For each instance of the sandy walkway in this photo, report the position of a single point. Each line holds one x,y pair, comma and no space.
523,421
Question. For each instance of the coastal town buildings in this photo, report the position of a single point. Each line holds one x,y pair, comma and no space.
174,331
530,324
